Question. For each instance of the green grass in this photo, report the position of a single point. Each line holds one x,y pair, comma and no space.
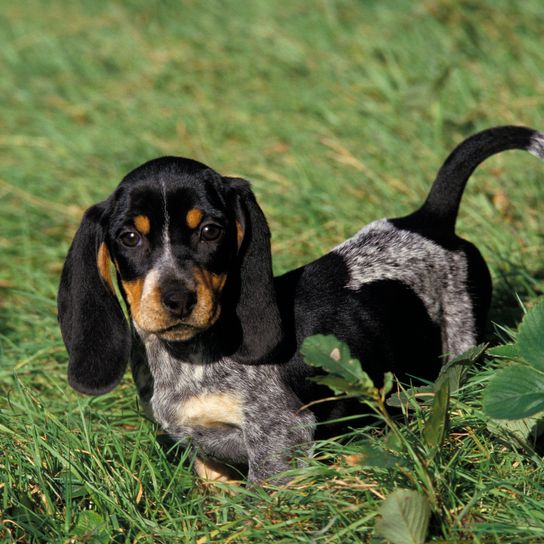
339,112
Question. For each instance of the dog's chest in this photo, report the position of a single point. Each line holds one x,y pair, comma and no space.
187,396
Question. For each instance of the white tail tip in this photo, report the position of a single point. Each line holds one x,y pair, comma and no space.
537,145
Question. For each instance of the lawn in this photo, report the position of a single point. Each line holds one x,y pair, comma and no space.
339,112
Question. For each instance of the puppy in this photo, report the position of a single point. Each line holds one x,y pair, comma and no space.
213,337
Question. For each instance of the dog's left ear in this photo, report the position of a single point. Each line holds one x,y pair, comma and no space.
91,320
257,309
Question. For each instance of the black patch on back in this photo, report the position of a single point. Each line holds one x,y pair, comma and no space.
384,323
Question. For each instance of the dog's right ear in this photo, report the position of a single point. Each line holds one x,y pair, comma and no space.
257,308
92,322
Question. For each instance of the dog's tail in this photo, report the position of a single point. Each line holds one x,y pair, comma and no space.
439,212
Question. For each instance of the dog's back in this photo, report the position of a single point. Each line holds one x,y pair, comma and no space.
406,293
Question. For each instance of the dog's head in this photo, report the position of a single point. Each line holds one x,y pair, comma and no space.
174,234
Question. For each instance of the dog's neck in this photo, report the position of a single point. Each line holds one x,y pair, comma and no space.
218,342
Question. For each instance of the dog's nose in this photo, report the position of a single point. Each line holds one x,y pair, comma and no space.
179,301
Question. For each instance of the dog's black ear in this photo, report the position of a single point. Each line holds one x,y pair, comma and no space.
256,307
92,322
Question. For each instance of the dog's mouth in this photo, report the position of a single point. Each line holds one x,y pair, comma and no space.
182,331
176,327
177,332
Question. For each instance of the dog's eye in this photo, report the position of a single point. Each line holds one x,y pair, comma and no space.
211,233
130,238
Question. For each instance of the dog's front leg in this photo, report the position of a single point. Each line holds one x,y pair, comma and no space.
272,439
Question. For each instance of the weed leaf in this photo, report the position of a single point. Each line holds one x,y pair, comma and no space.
507,351
405,517
435,426
333,356
388,380
338,385
526,430
515,392
393,442
371,456
405,399
455,370
531,337
91,527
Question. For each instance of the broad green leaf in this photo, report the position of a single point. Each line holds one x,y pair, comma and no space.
393,442
515,392
531,336
370,456
332,355
527,430
405,517
454,371
91,527
508,351
341,386
470,355
404,399
435,426
388,380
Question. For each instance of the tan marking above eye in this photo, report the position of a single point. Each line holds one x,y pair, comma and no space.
142,224
210,410
103,263
194,217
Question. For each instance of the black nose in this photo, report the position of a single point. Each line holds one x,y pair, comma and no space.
179,301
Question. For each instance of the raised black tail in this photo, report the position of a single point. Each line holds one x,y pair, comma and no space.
439,212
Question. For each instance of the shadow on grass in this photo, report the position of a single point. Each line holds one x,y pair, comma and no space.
176,453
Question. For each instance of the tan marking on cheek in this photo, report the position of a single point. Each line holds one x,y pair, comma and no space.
134,290
149,313
103,263
239,234
205,299
218,281
210,410
213,471
208,289
151,316
194,217
142,224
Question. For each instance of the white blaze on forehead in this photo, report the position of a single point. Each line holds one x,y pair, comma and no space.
164,207
167,246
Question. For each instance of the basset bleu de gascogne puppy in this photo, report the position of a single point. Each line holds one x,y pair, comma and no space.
213,337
